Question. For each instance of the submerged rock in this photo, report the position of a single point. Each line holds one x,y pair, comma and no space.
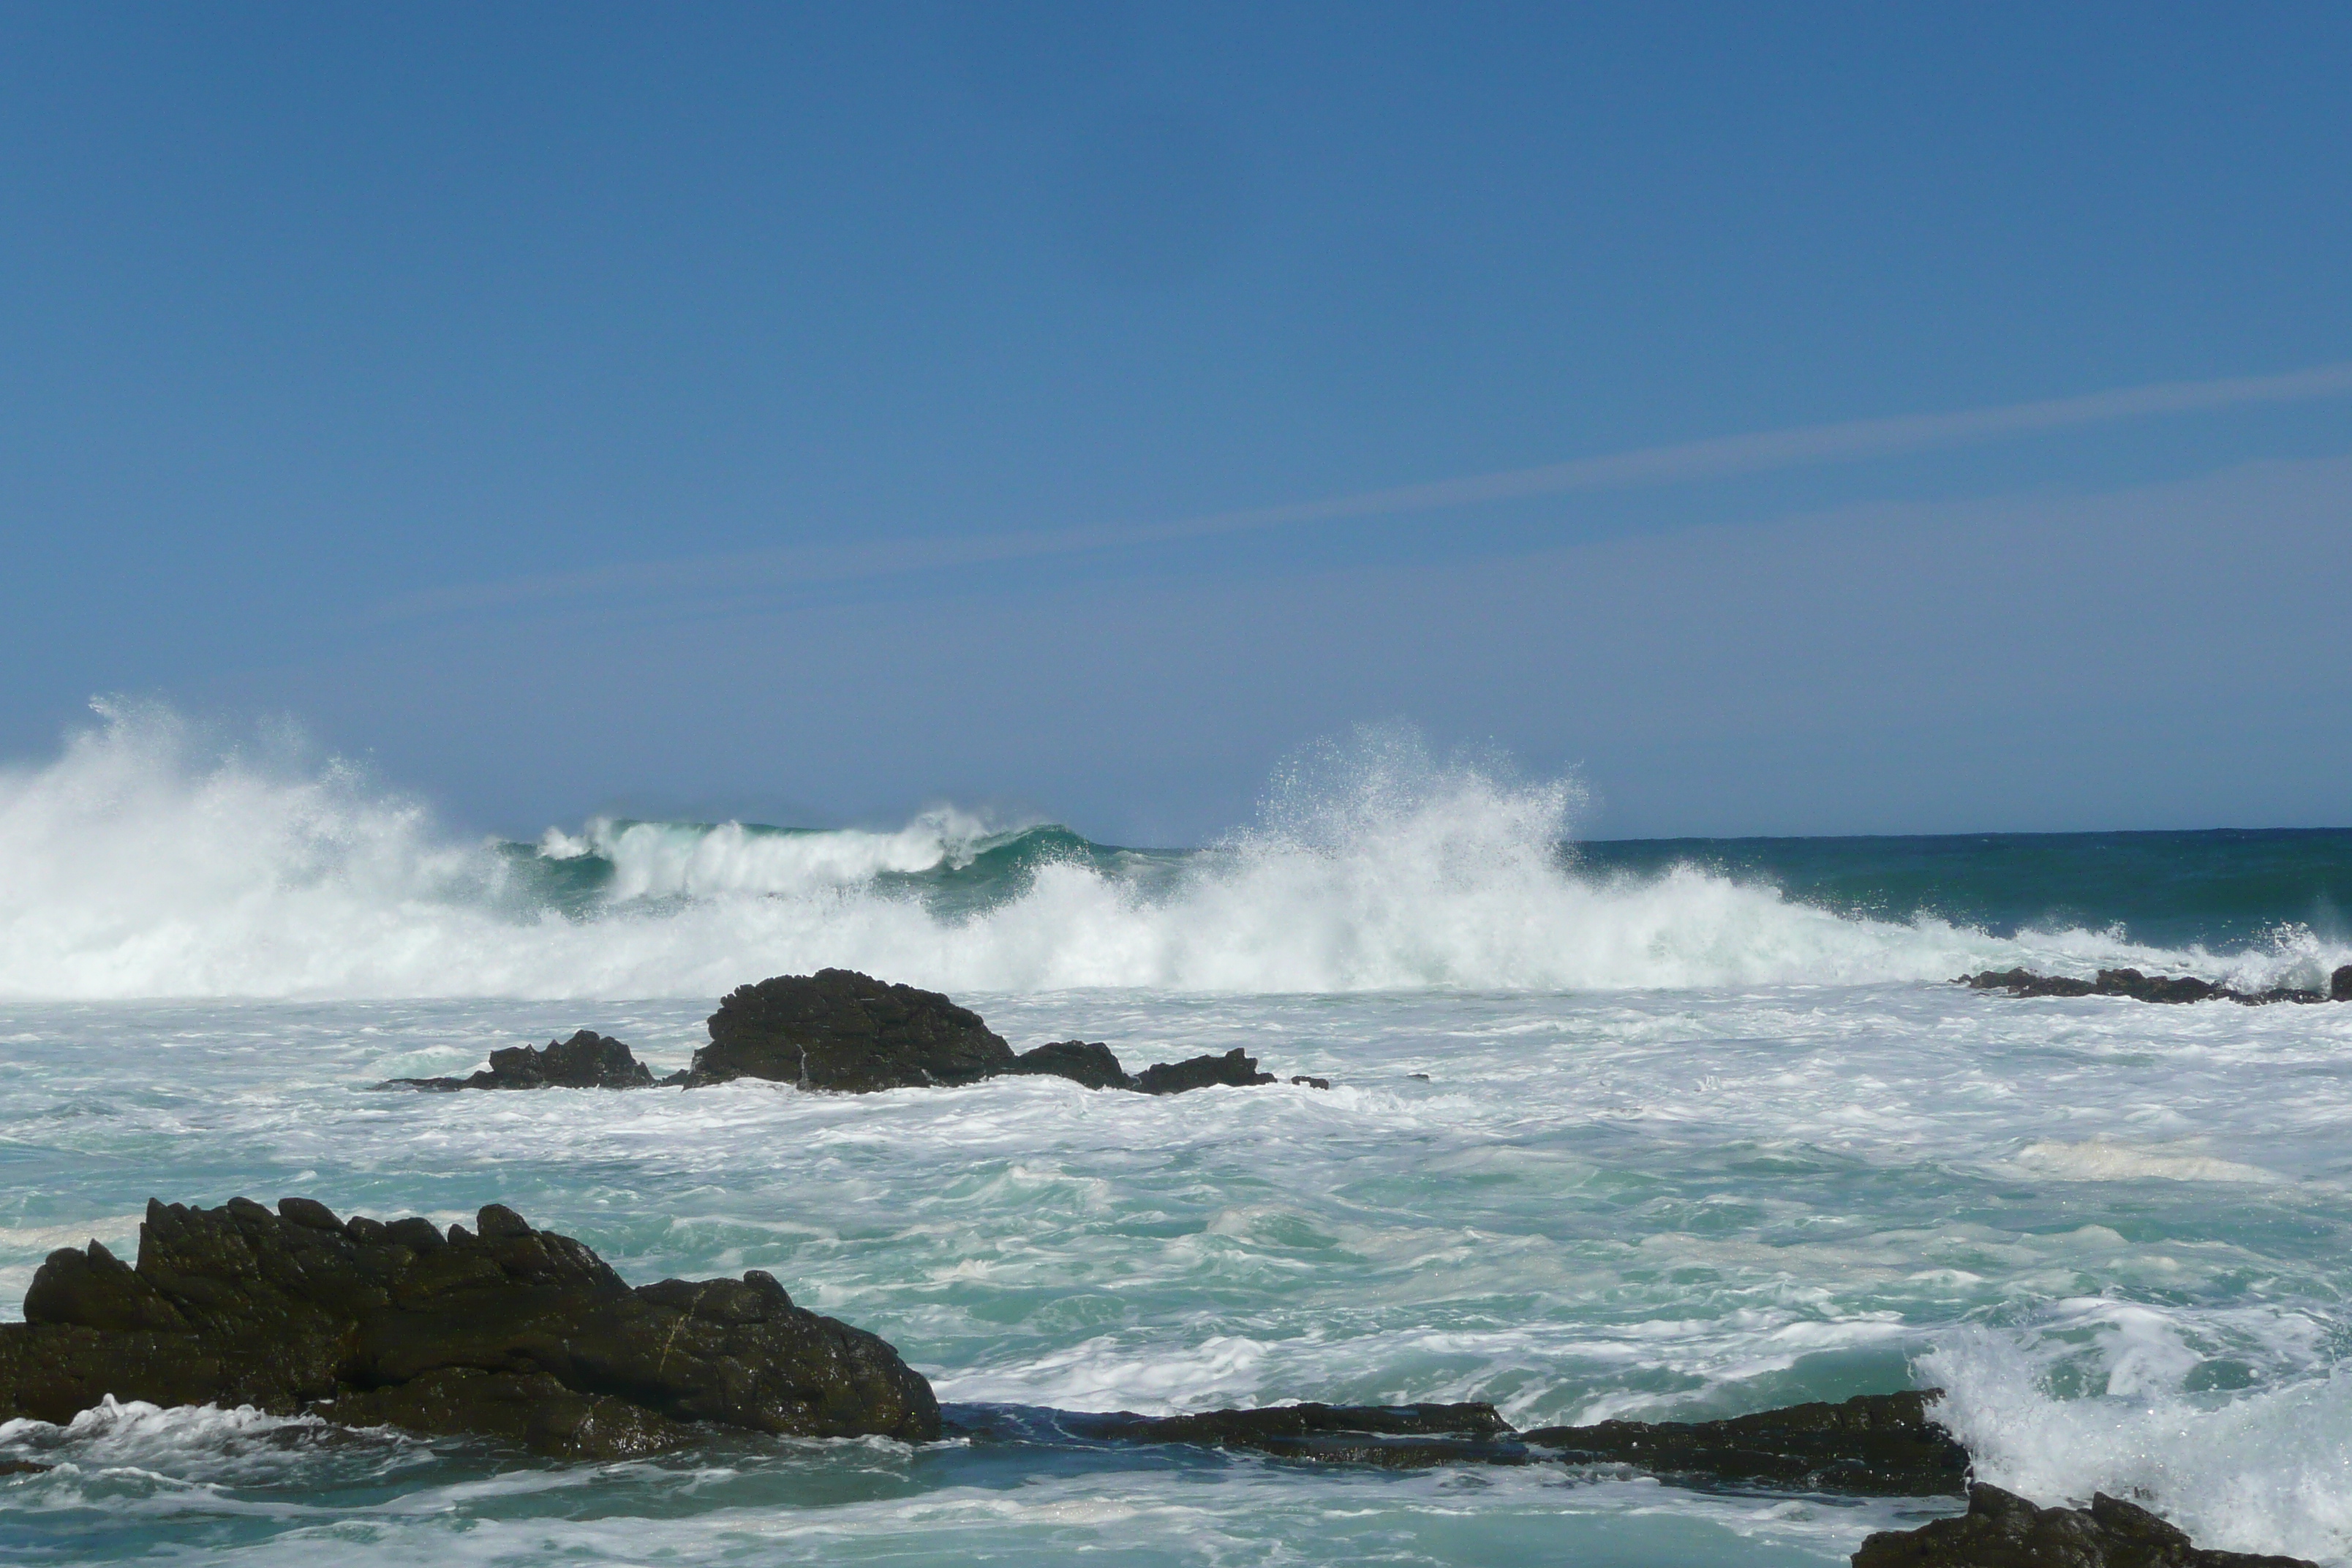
1880,1444
838,1029
505,1331
2001,1530
2149,987
587,1060
1398,1437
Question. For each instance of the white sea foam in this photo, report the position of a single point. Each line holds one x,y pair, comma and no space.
664,859
206,1443
2105,1160
137,865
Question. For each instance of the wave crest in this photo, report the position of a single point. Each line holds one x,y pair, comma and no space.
138,864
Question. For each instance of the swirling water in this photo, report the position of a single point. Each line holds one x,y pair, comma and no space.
1654,1131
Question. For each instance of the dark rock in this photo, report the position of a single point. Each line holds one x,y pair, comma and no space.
1402,1436
2146,987
1233,1067
2025,982
2160,988
504,1331
534,1409
587,1060
309,1211
844,1031
1077,1060
422,1235
1877,1444
99,1291
840,1031
1095,1066
2001,1530
23,1468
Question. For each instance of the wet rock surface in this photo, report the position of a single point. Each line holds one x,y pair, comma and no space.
504,1331
1882,1445
844,1032
587,1060
837,1029
1235,1069
1097,1068
2142,987
840,1031
2001,1530
1402,1436
1080,1061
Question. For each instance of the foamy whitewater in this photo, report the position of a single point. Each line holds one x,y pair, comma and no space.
1693,1138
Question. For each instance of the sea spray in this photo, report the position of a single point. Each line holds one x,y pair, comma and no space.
2264,1467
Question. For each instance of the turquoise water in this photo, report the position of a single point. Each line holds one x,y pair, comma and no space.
2220,888
2115,1232
1704,1129
2224,887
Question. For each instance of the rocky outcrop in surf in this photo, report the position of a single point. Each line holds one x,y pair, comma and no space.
1234,1069
587,1060
837,1029
503,1332
1092,1064
1398,1437
850,1033
1878,1445
1874,1445
2001,1530
2142,987
845,1033
1088,1062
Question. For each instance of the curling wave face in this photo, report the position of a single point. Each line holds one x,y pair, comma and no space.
136,864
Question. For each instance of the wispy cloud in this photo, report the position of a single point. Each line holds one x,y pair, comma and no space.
1683,462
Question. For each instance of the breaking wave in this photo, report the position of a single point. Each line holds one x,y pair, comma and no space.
140,863
2233,1424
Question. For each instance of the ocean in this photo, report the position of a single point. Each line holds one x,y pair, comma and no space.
1665,1130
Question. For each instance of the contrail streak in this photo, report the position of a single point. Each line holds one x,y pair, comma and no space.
1683,462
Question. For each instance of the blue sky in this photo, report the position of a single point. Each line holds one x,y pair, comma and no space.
810,413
